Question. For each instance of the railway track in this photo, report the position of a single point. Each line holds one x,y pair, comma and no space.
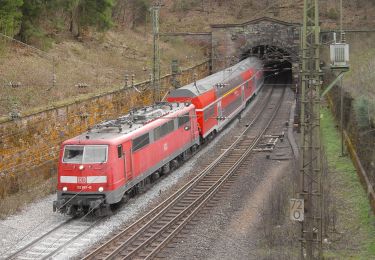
150,234
45,246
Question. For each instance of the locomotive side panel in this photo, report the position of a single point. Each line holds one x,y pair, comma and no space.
164,143
122,171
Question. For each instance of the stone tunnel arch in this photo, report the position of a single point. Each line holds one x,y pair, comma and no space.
276,40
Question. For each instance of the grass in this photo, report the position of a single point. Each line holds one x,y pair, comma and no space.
101,61
354,213
362,62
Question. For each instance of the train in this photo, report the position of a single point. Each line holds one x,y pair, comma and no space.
116,159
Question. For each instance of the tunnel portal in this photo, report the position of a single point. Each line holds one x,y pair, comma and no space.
278,63
274,41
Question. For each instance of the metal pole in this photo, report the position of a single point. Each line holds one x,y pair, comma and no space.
341,31
310,161
156,52
341,89
342,116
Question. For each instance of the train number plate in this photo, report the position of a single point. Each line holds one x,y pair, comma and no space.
84,187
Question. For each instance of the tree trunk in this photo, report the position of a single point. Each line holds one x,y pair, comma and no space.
75,28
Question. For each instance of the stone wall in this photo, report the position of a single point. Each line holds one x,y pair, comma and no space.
231,41
29,145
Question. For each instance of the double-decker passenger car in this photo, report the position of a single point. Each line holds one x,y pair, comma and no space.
100,167
220,97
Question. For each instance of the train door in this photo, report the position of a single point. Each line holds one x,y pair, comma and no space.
127,161
122,164
219,112
193,126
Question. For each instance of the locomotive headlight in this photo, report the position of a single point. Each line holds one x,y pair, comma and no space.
81,167
101,189
65,188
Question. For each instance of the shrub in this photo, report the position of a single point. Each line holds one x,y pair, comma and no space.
333,14
362,109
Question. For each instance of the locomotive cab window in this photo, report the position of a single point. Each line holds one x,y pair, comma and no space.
73,154
183,120
85,154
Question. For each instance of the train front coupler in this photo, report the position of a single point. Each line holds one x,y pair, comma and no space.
65,207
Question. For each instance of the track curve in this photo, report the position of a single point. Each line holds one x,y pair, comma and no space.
147,236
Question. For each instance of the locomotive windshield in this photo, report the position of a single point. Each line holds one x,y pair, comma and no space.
85,154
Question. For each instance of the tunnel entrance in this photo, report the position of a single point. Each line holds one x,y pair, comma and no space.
277,63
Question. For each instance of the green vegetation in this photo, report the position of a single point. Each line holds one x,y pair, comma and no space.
364,111
10,16
333,14
355,220
27,19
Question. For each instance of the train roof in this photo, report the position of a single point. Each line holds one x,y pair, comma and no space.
126,124
224,76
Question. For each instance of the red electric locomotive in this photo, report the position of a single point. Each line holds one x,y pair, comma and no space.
220,97
115,158
100,167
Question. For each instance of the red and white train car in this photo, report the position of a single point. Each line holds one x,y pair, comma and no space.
96,169
220,97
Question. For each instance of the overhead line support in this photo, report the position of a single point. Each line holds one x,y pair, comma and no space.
155,11
310,146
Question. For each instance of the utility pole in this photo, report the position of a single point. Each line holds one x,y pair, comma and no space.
310,161
342,40
155,10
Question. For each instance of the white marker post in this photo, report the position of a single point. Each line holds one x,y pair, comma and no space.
297,209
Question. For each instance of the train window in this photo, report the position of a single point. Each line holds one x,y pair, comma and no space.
95,154
140,142
85,154
119,151
163,130
209,112
183,120
73,154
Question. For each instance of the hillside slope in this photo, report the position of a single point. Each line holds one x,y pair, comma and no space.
100,60
184,15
